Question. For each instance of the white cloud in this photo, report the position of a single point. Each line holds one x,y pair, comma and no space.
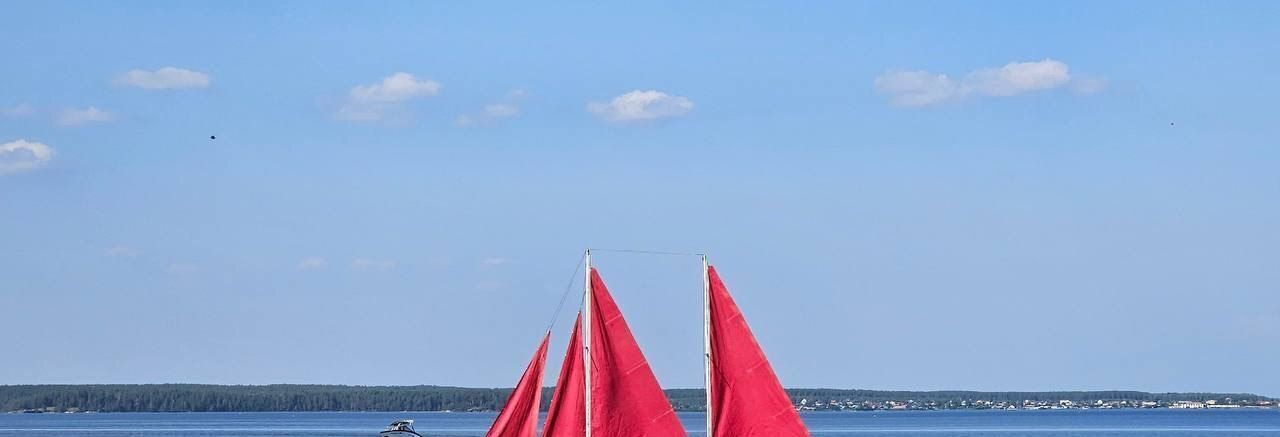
75,117
501,110
506,108
641,106
121,251
19,110
22,155
916,88
311,263
397,87
1018,77
164,79
367,264
923,88
372,102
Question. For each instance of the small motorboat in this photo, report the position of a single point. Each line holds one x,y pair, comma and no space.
400,428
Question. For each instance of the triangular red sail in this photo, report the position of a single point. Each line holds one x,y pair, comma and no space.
519,416
625,396
568,414
746,398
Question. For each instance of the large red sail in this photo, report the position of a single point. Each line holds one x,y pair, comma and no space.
568,414
519,416
746,398
625,396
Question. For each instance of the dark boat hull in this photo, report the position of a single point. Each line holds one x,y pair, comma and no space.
399,434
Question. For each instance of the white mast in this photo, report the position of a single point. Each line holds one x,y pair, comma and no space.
706,336
586,342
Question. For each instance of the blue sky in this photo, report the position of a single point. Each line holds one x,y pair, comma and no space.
902,195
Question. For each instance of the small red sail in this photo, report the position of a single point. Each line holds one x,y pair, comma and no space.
519,416
746,398
567,416
625,396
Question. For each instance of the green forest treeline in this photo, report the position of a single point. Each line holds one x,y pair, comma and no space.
192,397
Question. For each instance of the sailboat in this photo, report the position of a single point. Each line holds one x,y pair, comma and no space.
606,388
519,416
744,396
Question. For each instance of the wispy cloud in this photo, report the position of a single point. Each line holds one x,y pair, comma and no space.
167,78
397,87
17,111
640,105
923,88
917,88
1018,77
121,251
508,107
76,117
1085,85
22,155
373,102
494,261
360,113
311,263
369,264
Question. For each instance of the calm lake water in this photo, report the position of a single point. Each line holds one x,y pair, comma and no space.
1061,423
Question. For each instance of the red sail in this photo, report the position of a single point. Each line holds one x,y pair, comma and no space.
625,396
568,414
746,398
519,417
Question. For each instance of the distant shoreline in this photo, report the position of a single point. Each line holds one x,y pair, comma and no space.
139,398
18,413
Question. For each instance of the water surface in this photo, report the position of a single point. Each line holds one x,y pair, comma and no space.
1060,423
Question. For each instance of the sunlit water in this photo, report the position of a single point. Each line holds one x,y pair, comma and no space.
1093,423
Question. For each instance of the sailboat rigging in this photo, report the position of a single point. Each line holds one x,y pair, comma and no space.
607,389
519,416
745,398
